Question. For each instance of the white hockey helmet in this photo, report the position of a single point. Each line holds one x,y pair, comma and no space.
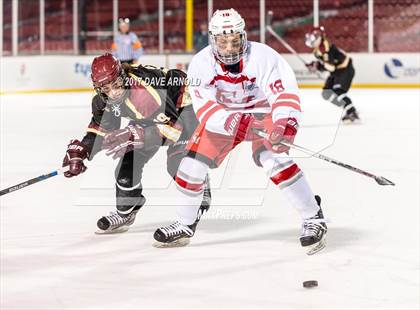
227,22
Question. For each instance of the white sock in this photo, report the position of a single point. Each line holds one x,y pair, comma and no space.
296,189
188,202
302,198
187,207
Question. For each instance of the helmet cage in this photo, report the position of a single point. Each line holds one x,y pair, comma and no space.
102,89
233,58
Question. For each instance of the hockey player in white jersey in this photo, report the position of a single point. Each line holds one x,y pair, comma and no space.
245,86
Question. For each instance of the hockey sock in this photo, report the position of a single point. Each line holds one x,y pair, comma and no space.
302,198
190,181
286,174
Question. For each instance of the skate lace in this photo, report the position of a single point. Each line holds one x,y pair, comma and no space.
115,219
175,229
312,226
207,197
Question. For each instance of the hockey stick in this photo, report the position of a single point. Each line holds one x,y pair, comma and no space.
33,181
283,42
379,179
280,39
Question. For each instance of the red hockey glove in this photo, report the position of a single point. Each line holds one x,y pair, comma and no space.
240,126
284,129
314,66
75,155
121,141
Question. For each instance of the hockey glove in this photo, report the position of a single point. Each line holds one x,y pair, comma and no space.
121,141
76,153
240,126
284,130
314,66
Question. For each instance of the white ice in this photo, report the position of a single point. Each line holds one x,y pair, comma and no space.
245,254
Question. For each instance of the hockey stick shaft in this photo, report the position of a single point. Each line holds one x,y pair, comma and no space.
285,44
379,179
31,181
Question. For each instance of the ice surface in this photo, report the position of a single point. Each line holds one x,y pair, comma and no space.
246,254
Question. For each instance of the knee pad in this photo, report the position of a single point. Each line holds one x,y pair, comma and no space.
327,93
191,176
342,99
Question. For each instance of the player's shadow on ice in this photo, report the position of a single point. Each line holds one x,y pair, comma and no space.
205,225
219,230
337,237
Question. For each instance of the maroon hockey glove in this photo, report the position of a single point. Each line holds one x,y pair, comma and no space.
284,129
314,66
76,153
240,125
121,141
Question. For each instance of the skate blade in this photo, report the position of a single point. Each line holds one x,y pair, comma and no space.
316,247
349,122
118,230
175,244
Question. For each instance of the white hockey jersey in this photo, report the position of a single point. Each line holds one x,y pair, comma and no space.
266,83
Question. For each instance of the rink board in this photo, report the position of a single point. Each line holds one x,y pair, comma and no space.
27,74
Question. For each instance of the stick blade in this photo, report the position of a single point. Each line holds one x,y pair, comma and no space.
383,181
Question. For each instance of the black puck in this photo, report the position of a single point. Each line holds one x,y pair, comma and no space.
310,283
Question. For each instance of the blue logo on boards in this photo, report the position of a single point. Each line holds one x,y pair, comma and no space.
84,69
394,68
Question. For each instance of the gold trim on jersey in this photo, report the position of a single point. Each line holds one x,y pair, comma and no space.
324,56
169,132
149,88
329,67
344,64
131,106
317,50
97,132
152,67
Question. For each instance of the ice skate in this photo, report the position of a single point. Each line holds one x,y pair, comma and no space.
174,235
351,116
314,231
115,223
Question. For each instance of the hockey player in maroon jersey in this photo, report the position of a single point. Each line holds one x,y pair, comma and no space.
341,71
160,114
245,86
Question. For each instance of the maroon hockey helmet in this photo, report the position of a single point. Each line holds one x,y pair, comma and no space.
313,36
105,69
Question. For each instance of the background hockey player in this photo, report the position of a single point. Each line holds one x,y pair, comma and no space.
245,86
341,71
159,114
